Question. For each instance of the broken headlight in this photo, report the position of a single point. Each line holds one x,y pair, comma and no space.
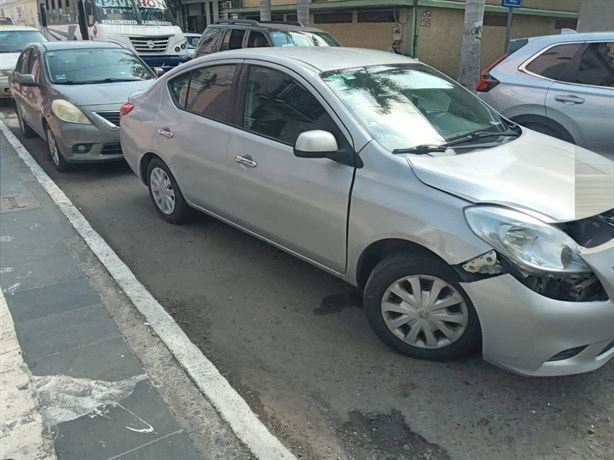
531,244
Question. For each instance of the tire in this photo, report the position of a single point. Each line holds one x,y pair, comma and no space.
25,129
54,151
384,307
165,193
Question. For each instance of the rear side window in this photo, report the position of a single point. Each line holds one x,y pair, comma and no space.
235,39
553,62
179,87
596,66
208,40
210,92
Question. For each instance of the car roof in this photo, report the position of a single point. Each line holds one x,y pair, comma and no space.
320,58
17,28
572,37
70,45
265,25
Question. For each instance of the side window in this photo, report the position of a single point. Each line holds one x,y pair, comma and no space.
22,63
208,40
277,106
179,87
596,65
210,92
234,39
553,62
257,40
34,65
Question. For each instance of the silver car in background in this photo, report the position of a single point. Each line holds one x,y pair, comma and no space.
560,85
69,93
13,39
462,228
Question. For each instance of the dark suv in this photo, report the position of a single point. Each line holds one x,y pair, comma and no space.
244,33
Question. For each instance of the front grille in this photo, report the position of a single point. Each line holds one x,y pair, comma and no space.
150,45
112,117
111,149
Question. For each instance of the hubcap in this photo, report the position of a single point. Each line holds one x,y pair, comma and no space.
425,311
162,190
53,147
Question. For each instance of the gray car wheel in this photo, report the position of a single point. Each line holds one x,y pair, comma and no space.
416,306
56,155
165,193
25,129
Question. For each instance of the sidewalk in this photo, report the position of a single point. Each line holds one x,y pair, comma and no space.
81,374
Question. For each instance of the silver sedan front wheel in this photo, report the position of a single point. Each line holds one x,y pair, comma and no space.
424,311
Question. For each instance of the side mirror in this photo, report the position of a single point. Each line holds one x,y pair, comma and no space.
25,79
315,144
159,71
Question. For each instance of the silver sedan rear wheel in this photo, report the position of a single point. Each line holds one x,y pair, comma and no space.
162,190
424,311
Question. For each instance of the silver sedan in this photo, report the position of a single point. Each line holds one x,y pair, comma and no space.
463,229
69,93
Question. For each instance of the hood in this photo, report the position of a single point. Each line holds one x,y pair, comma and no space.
552,179
101,94
8,60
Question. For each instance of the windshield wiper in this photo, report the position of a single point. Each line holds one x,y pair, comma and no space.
69,82
425,149
111,80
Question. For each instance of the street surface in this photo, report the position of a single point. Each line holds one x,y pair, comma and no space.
295,343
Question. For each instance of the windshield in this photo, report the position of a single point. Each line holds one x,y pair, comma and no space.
13,41
6,21
146,12
302,38
192,41
403,106
94,65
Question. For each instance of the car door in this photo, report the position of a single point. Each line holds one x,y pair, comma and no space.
33,95
19,92
193,132
584,94
298,203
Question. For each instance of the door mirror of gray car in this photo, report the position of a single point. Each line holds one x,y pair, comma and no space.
25,79
159,71
315,144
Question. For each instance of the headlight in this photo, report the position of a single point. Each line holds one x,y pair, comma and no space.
528,242
65,111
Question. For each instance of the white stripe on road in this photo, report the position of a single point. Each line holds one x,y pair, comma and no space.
231,406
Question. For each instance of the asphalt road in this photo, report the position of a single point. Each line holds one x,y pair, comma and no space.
295,343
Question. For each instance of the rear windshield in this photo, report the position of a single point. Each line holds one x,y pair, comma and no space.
13,41
302,38
95,65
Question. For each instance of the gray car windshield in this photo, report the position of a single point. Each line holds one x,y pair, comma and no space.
302,38
409,105
94,65
13,41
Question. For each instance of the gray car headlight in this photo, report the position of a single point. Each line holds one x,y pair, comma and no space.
526,241
66,111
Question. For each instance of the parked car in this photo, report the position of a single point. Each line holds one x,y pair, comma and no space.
560,85
243,33
388,174
69,93
13,39
6,21
192,42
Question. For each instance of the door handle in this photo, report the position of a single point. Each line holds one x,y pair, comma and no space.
569,99
245,161
166,133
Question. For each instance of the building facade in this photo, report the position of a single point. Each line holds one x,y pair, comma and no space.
23,12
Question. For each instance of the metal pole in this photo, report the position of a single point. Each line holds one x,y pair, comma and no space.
508,31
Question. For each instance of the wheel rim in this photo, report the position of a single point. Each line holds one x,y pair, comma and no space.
425,311
162,190
53,147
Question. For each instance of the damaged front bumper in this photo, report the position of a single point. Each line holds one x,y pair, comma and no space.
531,334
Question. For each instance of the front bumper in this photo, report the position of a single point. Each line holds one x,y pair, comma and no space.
522,330
166,62
5,89
103,142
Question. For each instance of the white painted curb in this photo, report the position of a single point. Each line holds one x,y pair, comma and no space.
231,406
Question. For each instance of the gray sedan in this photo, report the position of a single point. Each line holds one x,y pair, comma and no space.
463,229
69,93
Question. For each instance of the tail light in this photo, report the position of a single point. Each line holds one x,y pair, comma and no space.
487,81
125,109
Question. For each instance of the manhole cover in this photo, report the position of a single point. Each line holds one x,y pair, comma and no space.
18,202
